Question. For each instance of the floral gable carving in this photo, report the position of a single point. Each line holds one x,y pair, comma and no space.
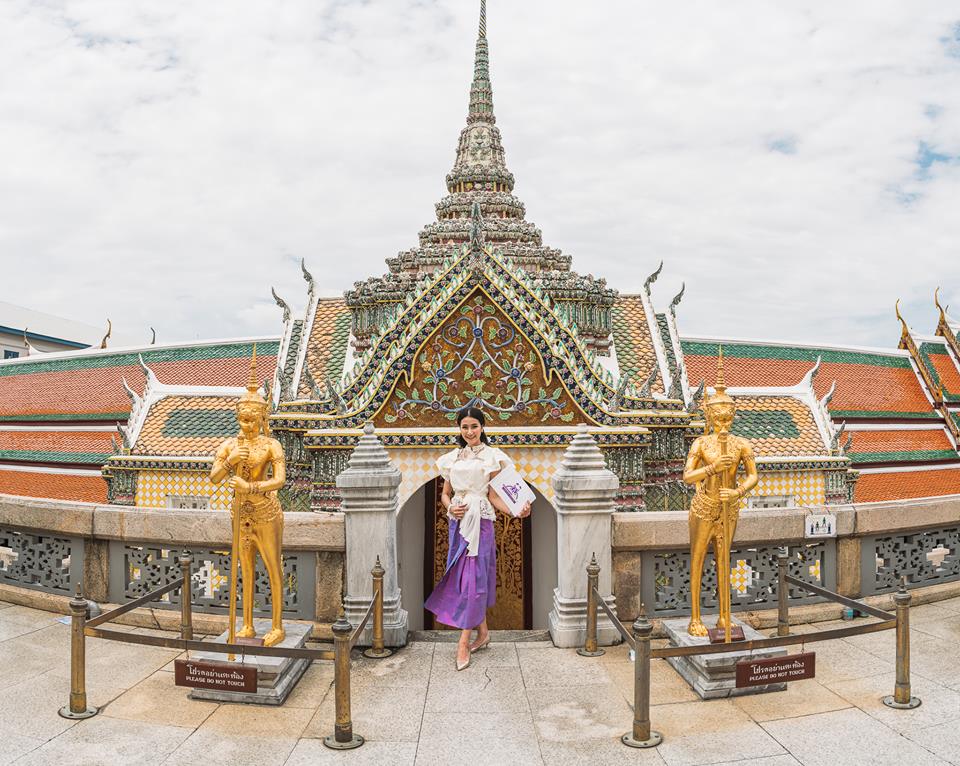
477,357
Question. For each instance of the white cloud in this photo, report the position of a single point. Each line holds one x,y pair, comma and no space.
166,164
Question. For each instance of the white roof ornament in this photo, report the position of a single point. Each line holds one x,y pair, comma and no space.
282,304
825,402
811,373
676,300
148,374
311,284
651,279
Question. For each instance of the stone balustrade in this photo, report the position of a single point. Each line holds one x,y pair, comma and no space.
875,544
118,553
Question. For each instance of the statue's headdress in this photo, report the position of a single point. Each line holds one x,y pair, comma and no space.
252,394
720,395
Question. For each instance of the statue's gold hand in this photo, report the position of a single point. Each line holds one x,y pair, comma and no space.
239,485
729,495
722,463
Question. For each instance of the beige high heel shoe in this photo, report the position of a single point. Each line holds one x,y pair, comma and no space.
461,665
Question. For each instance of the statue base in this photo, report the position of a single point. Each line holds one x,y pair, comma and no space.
713,676
276,676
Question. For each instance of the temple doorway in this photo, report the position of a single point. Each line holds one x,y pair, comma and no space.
526,561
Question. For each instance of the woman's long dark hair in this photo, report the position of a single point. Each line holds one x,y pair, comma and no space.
472,412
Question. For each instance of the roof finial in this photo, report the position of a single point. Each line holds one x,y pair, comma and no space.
936,302
483,18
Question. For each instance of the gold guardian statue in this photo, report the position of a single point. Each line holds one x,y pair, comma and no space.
255,463
712,465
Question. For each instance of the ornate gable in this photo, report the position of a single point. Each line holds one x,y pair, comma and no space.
478,357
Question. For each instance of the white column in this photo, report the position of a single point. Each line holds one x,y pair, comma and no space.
369,492
584,489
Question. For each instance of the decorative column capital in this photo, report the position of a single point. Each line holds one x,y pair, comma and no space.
583,482
369,466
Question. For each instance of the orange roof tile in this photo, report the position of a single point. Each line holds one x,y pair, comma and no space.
868,384
87,386
777,426
91,447
874,487
90,489
179,426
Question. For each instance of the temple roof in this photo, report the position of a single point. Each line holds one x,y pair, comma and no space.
187,425
870,383
901,485
900,446
778,425
59,411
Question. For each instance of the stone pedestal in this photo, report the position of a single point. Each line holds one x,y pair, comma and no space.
276,676
584,490
369,492
715,675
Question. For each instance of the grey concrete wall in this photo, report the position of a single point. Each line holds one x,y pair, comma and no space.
410,557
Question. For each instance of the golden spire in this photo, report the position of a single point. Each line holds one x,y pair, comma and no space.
720,395
253,385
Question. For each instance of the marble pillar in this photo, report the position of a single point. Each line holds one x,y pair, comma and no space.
584,490
369,492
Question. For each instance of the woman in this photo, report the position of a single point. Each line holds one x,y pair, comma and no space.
469,585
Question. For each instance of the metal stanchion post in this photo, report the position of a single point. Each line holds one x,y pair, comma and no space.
343,737
376,650
783,619
641,735
186,598
78,707
590,648
901,699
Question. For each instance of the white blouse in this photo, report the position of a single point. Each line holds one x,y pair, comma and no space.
468,471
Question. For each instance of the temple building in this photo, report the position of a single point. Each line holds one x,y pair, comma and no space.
480,312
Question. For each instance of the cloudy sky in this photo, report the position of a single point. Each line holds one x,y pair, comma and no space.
166,163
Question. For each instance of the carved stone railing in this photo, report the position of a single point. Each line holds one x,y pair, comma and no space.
117,553
876,544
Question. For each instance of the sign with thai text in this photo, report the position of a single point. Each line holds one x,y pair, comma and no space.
222,676
792,667
820,525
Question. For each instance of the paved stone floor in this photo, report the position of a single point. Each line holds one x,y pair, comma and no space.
519,703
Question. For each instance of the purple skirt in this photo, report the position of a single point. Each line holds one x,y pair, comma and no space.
469,585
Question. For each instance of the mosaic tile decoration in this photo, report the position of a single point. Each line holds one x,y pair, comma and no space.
327,343
418,466
631,334
806,487
154,486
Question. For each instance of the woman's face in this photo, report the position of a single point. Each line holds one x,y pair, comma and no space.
470,430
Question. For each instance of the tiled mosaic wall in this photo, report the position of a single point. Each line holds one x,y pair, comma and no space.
154,486
536,464
806,487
